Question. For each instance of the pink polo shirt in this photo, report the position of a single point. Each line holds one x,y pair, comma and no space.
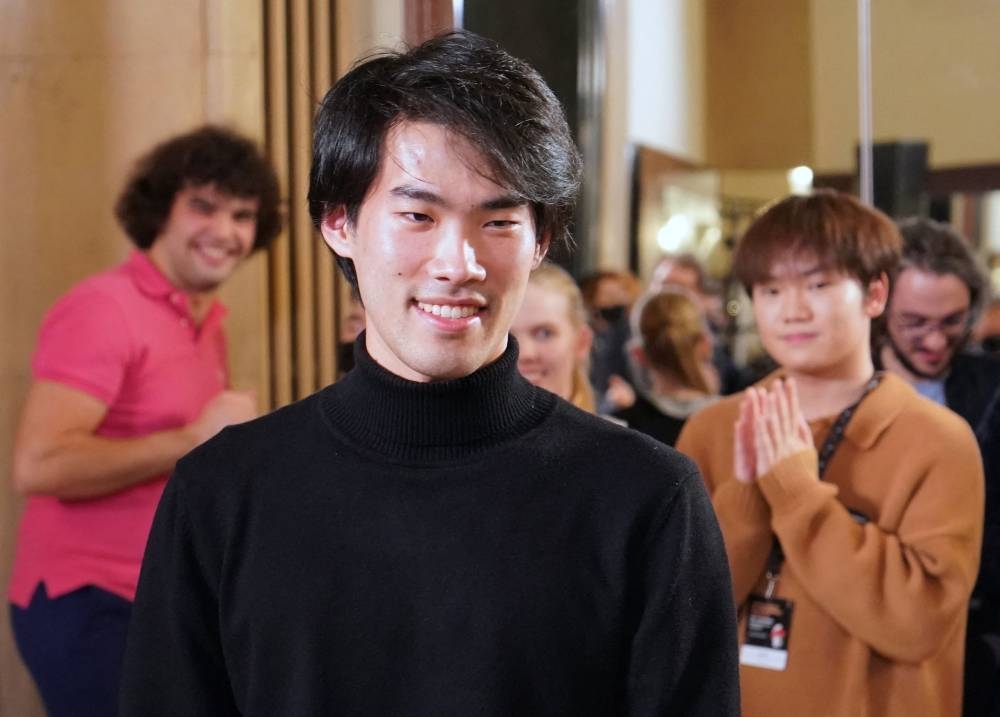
127,338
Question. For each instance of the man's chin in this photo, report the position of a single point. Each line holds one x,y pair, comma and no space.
931,372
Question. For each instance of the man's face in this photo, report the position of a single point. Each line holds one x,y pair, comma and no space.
670,273
927,321
442,255
204,238
816,321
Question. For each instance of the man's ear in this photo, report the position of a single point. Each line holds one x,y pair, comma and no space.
336,233
877,295
541,249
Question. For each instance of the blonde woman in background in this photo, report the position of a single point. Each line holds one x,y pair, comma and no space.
553,336
674,346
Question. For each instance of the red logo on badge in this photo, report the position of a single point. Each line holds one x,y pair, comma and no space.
777,635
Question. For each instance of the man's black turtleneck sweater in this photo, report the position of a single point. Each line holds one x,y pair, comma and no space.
469,547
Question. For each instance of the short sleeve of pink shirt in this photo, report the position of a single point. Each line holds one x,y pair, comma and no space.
127,338
84,343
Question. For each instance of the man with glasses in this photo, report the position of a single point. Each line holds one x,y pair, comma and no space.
937,293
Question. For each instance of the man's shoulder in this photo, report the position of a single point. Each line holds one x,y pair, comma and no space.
107,290
919,416
603,444
243,448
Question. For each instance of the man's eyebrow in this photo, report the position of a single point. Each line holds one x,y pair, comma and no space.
953,315
408,191
817,269
509,201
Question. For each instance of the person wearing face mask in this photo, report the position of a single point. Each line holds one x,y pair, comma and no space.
553,336
674,347
608,296
937,293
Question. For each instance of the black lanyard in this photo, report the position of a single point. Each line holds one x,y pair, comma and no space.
830,443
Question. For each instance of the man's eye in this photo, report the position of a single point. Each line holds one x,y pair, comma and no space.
818,285
501,223
416,217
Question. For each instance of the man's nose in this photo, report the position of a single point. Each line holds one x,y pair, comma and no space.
455,259
795,307
935,339
525,349
224,224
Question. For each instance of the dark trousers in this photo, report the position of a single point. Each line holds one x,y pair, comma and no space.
73,648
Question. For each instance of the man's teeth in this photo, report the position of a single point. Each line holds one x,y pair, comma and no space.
214,251
448,312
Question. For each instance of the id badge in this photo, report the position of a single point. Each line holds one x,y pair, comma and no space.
769,623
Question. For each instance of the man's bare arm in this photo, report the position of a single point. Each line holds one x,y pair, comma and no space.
56,452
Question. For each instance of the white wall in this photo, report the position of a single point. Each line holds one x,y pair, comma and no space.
666,93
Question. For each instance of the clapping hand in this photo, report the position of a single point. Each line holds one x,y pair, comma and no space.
770,427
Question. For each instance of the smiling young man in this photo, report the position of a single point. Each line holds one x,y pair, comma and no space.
851,507
434,535
130,373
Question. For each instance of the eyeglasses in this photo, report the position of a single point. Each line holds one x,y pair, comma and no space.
915,326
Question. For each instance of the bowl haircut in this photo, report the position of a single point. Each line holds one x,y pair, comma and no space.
835,229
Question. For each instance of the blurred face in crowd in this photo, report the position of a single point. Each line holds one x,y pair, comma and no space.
611,293
551,343
927,321
204,238
442,255
672,273
816,321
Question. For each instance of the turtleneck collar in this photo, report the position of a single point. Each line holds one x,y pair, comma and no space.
444,420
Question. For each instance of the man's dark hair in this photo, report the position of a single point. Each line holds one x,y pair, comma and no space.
469,86
838,230
937,248
207,156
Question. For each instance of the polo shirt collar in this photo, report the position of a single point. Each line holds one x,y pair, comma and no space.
153,283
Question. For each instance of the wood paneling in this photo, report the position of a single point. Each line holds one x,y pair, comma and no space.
300,65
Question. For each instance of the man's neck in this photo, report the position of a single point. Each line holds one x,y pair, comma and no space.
199,304
828,394
890,362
